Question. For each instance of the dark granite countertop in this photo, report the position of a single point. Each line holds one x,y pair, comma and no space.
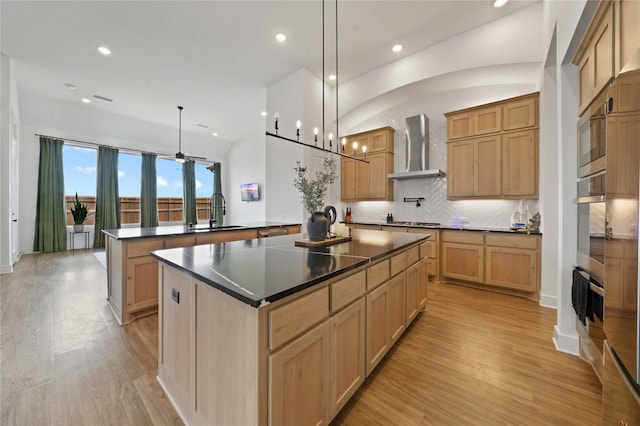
268,269
444,227
171,230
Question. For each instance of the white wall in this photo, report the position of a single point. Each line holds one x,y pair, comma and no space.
245,164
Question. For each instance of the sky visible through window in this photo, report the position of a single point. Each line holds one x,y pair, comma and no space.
80,174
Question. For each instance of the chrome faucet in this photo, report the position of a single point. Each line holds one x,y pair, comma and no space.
213,206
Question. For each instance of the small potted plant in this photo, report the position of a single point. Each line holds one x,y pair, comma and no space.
313,192
80,213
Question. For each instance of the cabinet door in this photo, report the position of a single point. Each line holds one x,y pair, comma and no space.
381,141
423,278
460,169
623,151
488,120
603,53
585,82
512,268
520,165
397,307
299,380
377,326
413,280
459,125
628,40
363,181
347,179
379,167
463,261
519,114
142,283
347,354
486,166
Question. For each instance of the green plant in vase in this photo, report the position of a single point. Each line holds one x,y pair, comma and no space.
79,212
313,192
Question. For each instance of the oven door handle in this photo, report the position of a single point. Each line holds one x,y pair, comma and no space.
596,289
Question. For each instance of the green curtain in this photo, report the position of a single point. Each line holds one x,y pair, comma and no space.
149,192
217,202
189,192
51,211
107,196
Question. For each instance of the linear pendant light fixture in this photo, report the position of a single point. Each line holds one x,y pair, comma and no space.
331,150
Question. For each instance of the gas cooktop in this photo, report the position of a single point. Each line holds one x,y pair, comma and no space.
421,224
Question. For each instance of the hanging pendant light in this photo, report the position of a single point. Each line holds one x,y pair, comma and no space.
315,130
179,154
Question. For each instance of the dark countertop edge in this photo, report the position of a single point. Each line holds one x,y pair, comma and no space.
109,233
256,303
444,227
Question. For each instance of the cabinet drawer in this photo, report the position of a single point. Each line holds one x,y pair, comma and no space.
463,237
290,320
377,274
182,241
413,255
143,247
398,263
347,290
512,241
428,249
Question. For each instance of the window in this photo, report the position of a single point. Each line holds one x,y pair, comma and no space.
204,189
80,176
169,176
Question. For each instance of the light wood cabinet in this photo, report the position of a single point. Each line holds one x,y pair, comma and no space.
504,162
397,316
520,164
460,125
347,179
595,58
347,365
142,283
627,40
416,289
368,181
622,150
377,326
299,380
508,261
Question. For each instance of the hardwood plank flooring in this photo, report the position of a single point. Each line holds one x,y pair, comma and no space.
473,358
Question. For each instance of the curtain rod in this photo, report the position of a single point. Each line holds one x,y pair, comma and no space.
127,150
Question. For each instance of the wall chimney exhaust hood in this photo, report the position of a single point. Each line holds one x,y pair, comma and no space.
416,139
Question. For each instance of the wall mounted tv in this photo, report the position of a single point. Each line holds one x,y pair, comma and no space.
250,192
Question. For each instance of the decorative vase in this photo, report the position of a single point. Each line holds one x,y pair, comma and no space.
317,226
78,227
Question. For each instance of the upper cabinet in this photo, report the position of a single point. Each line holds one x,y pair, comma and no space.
360,181
609,44
492,150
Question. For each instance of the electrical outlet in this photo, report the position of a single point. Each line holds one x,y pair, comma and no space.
175,295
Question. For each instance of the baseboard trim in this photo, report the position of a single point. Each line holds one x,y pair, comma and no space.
566,343
6,269
548,301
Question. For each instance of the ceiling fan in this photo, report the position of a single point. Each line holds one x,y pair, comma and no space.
180,156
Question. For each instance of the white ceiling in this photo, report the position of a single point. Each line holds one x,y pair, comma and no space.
216,58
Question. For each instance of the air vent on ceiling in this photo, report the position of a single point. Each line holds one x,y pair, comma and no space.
102,98
203,126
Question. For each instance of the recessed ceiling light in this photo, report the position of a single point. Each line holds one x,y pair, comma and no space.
263,113
281,37
397,48
214,134
70,86
332,77
86,100
105,51
499,3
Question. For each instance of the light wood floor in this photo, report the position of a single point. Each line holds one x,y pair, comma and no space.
474,358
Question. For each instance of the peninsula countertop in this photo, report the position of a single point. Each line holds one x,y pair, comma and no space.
170,230
267,269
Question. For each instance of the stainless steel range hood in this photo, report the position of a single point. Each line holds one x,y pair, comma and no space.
416,138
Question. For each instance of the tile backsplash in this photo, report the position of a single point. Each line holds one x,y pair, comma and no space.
436,207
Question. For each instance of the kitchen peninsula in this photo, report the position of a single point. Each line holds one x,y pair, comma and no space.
132,274
265,332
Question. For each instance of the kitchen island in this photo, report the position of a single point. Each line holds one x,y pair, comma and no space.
264,332
132,274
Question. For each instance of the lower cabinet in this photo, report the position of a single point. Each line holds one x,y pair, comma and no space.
298,380
377,326
463,261
346,368
142,283
416,289
397,307
512,268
